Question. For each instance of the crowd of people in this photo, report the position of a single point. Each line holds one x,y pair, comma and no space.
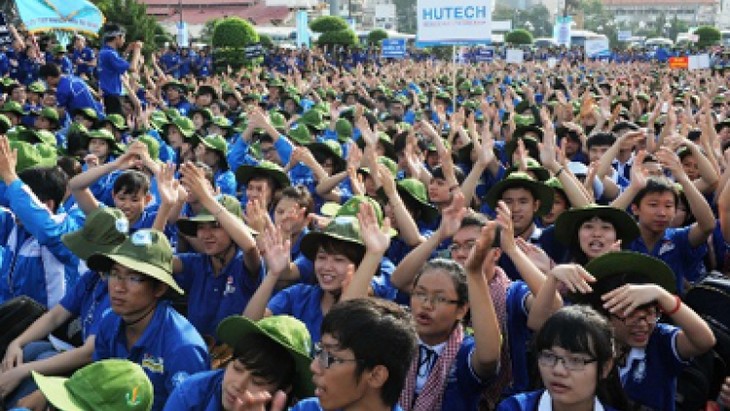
344,234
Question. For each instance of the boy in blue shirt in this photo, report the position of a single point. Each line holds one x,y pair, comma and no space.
112,66
143,327
366,350
72,93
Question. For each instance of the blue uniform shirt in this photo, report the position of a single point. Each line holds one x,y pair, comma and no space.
675,250
312,404
89,301
226,181
86,55
72,93
212,298
169,350
520,336
200,392
110,69
529,401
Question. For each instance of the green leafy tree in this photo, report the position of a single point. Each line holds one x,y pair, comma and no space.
518,36
707,36
376,36
132,15
324,24
266,41
230,36
345,37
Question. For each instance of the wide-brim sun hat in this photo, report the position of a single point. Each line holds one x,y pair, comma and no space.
569,222
518,179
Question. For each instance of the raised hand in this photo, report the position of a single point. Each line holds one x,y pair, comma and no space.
276,248
504,220
624,300
574,277
375,237
167,185
482,250
451,217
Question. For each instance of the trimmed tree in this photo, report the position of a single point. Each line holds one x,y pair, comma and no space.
266,41
376,36
333,31
707,36
132,15
518,36
324,24
230,36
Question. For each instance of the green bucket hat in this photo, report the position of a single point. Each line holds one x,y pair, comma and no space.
88,112
300,135
519,179
624,267
569,222
37,136
172,113
117,121
221,122
49,113
385,141
535,167
13,107
284,330
277,120
313,118
153,146
246,172
112,385
345,228
189,225
158,120
184,124
5,124
331,149
147,251
217,143
387,162
58,49
29,156
205,112
104,229
106,135
37,87
176,85
416,191
343,128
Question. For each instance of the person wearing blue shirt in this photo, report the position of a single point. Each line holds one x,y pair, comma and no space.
83,58
221,279
203,64
111,66
270,359
363,359
186,63
574,351
343,257
88,301
61,60
175,94
213,151
34,263
170,62
72,93
143,327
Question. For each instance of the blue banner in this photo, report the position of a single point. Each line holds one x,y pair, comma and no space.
393,48
302,28
69,15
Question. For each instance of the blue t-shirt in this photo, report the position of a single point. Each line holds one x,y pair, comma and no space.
520,336
528,401
675,250
110,69
200,392
89,301
212,298
312,404
72,93
651,379
169,350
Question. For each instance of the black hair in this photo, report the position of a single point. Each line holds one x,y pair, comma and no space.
438,172
299,193
601,139
579,256
131,182
70,165
656,185
47,183
378,332
74,143
266,359
453,270
580,329
351,252
49,70
474,220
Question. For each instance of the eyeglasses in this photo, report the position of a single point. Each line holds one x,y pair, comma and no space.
467,246
650,314
550,359
435,300
135,279
325,359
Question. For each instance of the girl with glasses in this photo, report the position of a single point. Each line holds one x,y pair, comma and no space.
575,359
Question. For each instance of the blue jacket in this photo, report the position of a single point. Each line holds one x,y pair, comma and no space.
111,66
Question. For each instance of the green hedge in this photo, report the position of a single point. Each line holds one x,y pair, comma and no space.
325,24
518,36
234,32
345,37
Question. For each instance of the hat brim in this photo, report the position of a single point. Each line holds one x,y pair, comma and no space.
104,262
637,267
543,193
311,241
55,391
541,174
568,223
245,173
429,213
189,226
234,329
322,149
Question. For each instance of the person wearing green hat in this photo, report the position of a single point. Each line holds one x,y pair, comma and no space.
113,385
179,135
142,326
346,255
275,147
205,96
46,119
87,300
634,290
201,117
13,111
117,125
270,362
175,92
221,278
102,145
262,182
213,151
85,116
219,125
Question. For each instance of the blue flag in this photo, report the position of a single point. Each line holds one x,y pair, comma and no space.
68,15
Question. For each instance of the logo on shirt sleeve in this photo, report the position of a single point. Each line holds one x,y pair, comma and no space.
154,364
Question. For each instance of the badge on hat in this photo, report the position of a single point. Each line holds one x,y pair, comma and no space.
122,225
142,238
